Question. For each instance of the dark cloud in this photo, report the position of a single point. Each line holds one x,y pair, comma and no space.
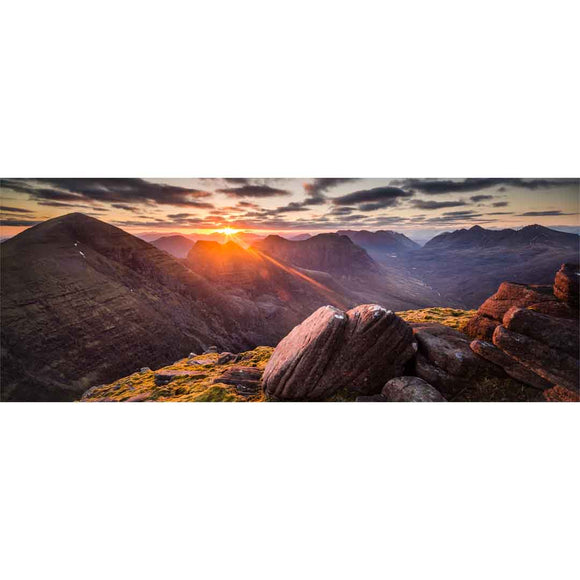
344,210
541,213
237,180
291,207
500,213
373,199
59,204
468,212
180,216
45,193
14,209
161,223
253,191
442,186
316,188
119,190
73,206
125,207
429,204
477,198
18,222
500,204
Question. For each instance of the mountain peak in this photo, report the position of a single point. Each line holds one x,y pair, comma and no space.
328,252
532,227
381,241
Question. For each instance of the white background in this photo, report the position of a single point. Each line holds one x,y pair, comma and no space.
270,89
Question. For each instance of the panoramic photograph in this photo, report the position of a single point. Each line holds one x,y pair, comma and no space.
290,289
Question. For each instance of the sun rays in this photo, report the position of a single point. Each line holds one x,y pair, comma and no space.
228,232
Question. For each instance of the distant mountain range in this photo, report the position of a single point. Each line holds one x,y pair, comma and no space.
478,237
470,263
179,245
352,272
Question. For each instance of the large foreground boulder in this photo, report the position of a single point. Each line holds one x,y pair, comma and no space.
358,350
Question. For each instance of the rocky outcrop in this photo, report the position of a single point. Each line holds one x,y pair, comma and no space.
246,380
166,376
358,350
557,333
481,327
446,361
543,299
552,364
511,366
490,313
566,284
534,331
226,357
559,394
411,390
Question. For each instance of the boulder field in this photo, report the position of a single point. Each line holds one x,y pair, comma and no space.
522,344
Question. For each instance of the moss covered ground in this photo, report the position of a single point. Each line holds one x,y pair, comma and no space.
140,386
451,317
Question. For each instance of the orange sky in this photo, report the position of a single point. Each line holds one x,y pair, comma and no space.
417,207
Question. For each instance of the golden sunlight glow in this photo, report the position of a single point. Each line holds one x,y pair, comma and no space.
228,231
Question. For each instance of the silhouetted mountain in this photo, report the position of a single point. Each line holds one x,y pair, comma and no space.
330,253
152,236
351,271
382,241
298,237
84,302
280,292
177,245
469,264
478,237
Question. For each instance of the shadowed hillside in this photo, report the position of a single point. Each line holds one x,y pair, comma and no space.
178,246
468,265
351,269
83,301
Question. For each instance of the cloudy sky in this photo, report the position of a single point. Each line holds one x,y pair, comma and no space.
418,207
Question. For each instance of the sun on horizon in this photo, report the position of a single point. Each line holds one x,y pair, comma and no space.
228,232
